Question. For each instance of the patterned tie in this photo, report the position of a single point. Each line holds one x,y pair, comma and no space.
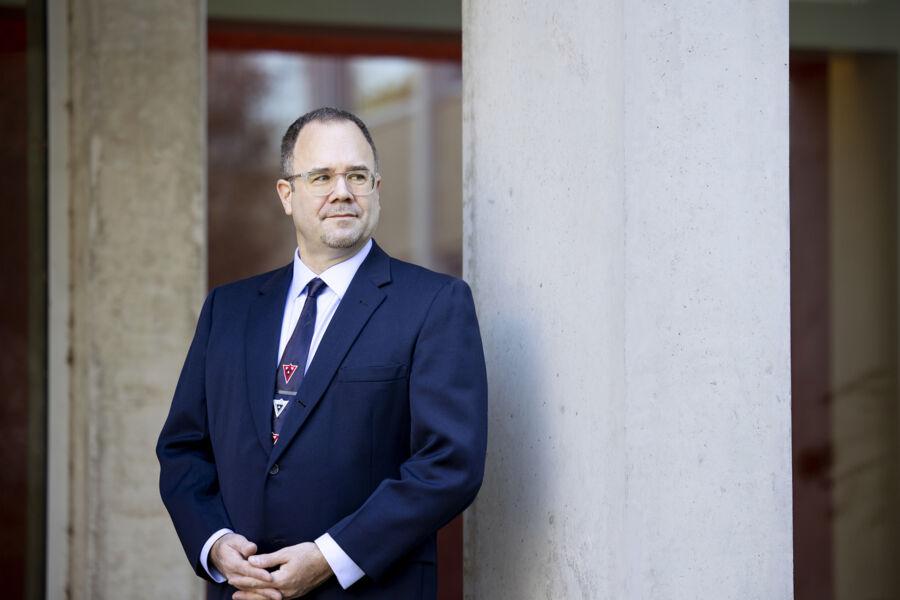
293,362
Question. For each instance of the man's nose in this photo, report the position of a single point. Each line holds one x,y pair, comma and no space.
340,191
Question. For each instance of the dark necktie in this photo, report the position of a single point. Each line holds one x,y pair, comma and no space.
292,366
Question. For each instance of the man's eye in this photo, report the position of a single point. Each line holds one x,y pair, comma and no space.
320,179
356,177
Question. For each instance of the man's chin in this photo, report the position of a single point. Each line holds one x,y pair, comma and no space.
341,241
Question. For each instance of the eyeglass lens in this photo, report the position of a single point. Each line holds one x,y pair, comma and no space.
324,182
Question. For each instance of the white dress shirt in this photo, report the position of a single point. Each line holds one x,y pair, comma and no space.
337,278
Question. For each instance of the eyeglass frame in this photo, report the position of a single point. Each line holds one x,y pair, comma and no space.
374,177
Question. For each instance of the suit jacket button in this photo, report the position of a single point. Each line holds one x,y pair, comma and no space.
274,470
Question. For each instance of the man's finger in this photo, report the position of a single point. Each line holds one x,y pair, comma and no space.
247,548
247,570
239,544
268,594
248,583
267,561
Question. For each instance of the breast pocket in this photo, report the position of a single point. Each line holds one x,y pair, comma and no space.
372,373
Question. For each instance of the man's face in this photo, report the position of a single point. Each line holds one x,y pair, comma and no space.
340,220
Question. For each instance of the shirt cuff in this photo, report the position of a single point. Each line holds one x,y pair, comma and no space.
204,556
346,571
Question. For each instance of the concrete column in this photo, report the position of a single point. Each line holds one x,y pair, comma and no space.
136,227
626,237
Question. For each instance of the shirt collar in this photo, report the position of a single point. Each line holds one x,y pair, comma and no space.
336,277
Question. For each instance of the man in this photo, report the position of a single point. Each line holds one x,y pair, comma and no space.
331,414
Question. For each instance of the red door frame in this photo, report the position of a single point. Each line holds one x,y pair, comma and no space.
339,41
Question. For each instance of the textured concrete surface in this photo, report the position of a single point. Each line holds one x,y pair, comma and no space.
626,237
138,264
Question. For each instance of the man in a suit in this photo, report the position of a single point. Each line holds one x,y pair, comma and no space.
331,415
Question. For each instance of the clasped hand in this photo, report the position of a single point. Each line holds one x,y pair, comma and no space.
298,569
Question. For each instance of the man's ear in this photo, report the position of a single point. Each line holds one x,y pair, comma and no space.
285,192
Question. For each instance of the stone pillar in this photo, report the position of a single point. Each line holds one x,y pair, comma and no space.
137,237
626,237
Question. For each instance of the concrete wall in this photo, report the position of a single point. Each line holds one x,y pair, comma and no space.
626,237
136,228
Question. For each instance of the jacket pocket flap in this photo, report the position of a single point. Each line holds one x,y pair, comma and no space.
372,373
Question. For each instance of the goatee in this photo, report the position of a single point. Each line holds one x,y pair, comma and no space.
341,241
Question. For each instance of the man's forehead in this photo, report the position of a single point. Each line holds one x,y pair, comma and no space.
332,141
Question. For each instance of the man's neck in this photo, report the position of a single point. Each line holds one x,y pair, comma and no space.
320,262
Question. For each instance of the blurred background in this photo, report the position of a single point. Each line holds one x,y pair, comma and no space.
269,62
844,192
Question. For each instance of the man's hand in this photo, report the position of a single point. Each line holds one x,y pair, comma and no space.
229,555
301,568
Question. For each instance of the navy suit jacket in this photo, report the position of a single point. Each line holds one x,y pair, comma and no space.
385,445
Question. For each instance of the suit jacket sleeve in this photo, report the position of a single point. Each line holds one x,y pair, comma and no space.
448,436
188,482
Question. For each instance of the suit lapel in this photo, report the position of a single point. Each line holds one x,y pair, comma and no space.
263,334
362,298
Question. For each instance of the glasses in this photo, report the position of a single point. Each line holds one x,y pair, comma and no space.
321,183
